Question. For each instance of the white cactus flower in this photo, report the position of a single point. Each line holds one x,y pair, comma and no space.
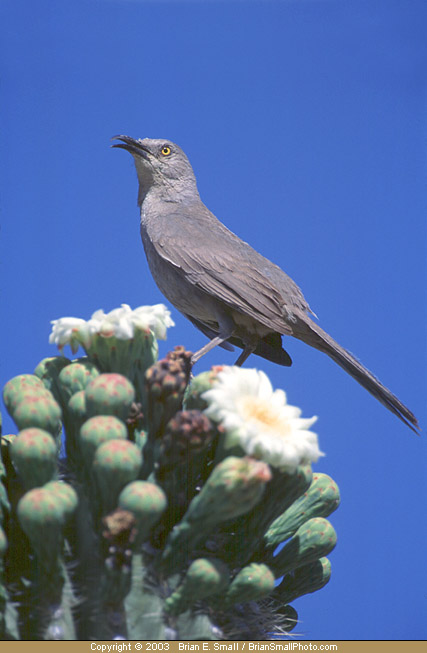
157,318
260,420
71,331
122,323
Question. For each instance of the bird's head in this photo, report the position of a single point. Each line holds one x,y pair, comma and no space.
162,167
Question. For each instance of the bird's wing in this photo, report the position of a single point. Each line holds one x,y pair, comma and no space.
219,263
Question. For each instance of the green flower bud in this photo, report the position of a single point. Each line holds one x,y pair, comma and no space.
320,500
76,377
48,371
304,580
116,463
233,488
39,411
109,394
252,583
41,517
66,496
147,502
17,386
205,577
34,454
97,430
200,384
314,539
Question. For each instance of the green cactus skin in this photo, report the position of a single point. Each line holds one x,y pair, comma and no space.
147,502
182,465
116,463
314,539
200,384
42,513
66,495
4,500
252,583
76,377
233,488
39,411
74,416
109,394
48,371
97,430
205,577
128,357
26,393
17,386
3,542
246,539
3,591
320,500
107,555
34,454
304,580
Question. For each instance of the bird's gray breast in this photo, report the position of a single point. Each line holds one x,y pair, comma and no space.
174,284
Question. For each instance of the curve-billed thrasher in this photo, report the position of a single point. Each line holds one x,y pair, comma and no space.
225,288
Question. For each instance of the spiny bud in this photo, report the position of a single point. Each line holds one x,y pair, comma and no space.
166,381
188,433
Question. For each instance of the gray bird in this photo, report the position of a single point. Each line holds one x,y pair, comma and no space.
221,284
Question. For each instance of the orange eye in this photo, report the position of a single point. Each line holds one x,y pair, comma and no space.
166,150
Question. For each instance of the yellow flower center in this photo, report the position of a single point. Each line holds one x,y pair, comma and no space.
259,410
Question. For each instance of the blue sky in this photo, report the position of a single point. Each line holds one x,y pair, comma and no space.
305,123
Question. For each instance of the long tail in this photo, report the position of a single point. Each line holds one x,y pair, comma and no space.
309,332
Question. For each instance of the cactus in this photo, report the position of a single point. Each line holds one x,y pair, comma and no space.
116,463
97,430
153,521
320,500
304,580
312,540
34,454
75,377
253,582
109,394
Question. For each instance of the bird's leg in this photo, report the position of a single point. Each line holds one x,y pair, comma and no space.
210,345
248,350
226,329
